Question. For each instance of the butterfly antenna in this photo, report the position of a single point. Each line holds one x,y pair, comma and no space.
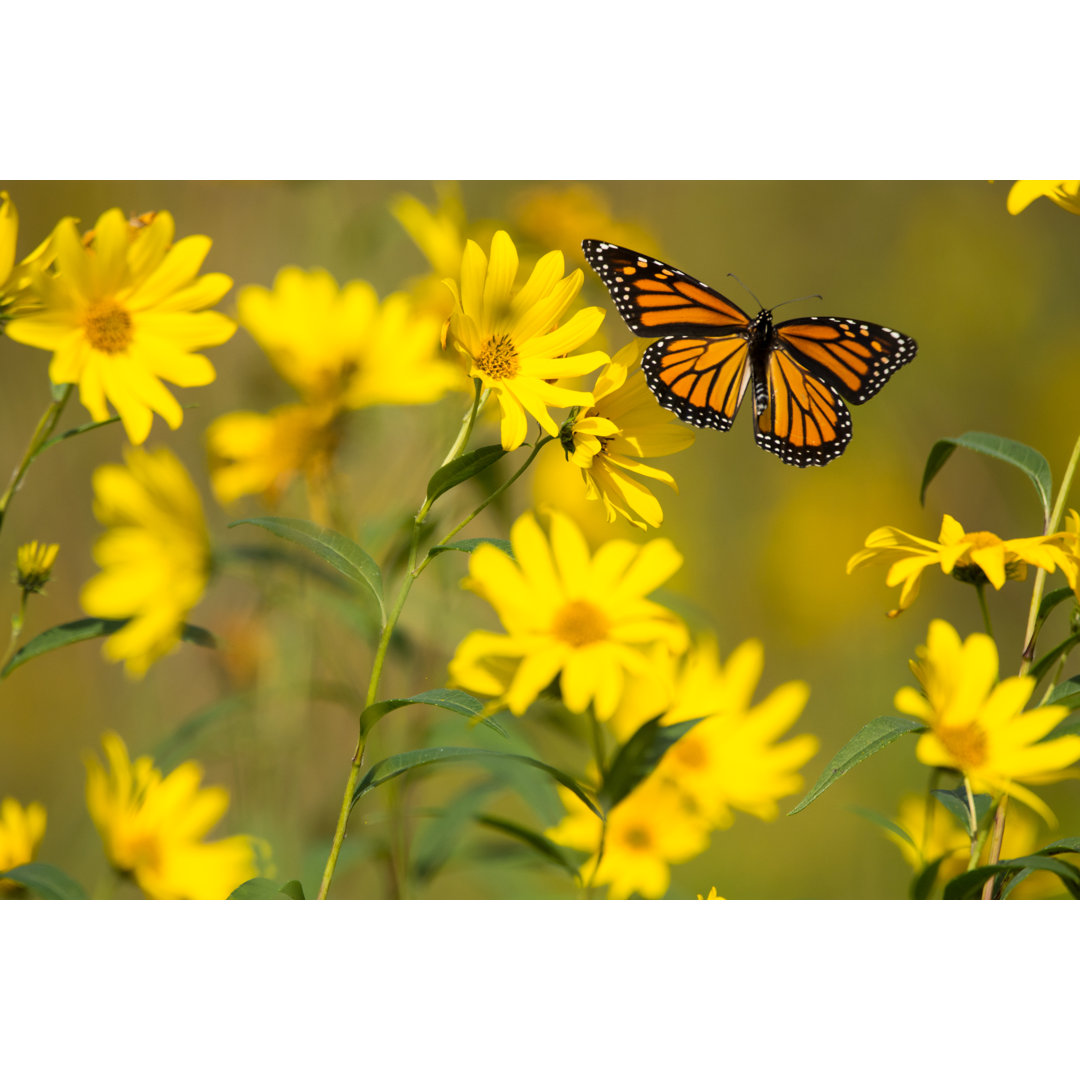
812,296
754,298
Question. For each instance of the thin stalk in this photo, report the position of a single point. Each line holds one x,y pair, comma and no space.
973,829
17,621
995,844
43,430
980,588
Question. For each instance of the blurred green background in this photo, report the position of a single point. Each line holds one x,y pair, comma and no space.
990,299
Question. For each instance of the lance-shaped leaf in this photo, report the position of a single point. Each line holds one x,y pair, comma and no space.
472,544
955,801
922,884
1030,462
875,736
261,888
85,629
1047,661
394,766
455,701
549,850
969,885
339,551
49,882
639,756
461,469
885,823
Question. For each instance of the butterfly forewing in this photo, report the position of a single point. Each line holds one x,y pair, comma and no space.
857,358
656,299
701,380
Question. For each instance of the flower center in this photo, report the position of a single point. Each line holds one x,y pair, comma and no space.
108,326
580,623
690,752
964,742
637,837
498,358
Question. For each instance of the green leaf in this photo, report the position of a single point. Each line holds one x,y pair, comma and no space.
1047,661
1051,601
955,801
49,882
436,843
1028,461
72,432
261,888
638,757
390,767
923,883
337,550
969,885
85,629
551,851
871,738
455,701
472,544
461,469
885,823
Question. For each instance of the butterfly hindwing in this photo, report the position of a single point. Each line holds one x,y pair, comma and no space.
656,299
701,380
856,358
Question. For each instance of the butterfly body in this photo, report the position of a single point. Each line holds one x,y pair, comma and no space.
709,351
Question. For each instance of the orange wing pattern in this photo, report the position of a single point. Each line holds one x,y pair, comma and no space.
656,299
701,380
857,358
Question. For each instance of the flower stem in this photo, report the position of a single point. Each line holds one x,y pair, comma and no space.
17,621
980,588
43,430
1040,575
995,844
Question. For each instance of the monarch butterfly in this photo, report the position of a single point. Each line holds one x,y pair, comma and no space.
713,349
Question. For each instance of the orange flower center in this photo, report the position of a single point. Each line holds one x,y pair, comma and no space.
580,623
108,326
638,837
966,743
690,752
498,358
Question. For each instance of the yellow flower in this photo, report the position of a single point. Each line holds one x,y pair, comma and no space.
945,836
154,827
20,835
33,565
16,297
712,895
510,337
438,233
977,557
730,760
648,832
256,454
625,423
1063,193
154,557
1069,542
341,345
979,728
121,313
583,618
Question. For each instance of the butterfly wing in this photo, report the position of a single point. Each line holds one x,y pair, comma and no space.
797,416
701,380
856,358
657,300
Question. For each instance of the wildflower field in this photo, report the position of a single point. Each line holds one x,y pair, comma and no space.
388,540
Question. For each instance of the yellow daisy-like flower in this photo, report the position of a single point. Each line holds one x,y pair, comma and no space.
33,565
341,345
154,827
712,895
256,454
438,233
567,613
648,832
976,557
121,313
731,760
155,556
16,296
624,425
1063,193
1069,542
977,725
21,831
512,340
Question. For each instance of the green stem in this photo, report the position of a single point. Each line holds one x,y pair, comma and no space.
980,588
17,621
43,430
973,826
1040,576
995,844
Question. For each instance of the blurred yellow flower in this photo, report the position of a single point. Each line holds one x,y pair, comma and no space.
21,831
1063,193
625,424
979,728
567,613
977,557
512,340
1069,541
16,297
438,233
648,832
33,565
121,313
730,760
259,454
712,895
342,346
155,556
154,827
